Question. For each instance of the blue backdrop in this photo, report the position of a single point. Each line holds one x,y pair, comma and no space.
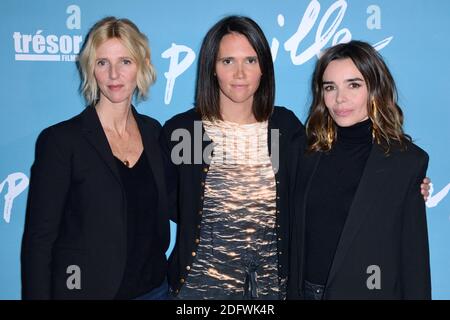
39,87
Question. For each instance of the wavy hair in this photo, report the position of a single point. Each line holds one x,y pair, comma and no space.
136,43
382,107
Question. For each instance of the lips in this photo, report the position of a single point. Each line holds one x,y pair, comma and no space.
238,86
342,112
115,87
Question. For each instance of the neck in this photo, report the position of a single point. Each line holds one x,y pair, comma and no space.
238,113
114,117
359,133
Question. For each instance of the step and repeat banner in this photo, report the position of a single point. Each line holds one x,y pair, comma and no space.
40,41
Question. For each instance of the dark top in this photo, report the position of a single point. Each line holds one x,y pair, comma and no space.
332,191
382,251
76,210
189,185
146,264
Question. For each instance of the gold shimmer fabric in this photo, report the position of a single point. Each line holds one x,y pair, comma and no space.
237,254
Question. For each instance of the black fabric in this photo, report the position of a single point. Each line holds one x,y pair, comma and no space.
76,210
145,268
332,190
187,185
385,227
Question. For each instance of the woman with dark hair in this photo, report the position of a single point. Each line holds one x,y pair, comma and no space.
232,195
97,224
359,224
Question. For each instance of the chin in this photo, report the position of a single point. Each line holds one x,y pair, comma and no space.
346,122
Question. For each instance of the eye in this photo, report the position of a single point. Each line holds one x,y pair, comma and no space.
101,62
227,61
328,88
252,60
354,85
127,61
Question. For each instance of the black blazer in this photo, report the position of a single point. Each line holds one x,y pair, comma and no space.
76,211
189,184
386,227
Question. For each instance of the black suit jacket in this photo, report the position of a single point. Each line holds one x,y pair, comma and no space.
76,211
386,227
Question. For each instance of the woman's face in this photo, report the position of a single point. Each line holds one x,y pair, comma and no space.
237,70
115,72
345,92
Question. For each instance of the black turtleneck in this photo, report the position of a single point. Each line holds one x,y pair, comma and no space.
330,196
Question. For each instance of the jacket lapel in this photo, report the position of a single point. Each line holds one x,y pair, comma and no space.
375,174
150,143
94,134
306,172
272,124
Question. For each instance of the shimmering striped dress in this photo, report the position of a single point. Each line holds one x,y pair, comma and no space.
237,254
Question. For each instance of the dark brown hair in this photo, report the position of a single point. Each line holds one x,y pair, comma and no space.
382,107
207,89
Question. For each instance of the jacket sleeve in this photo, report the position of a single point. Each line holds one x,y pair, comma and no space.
49,185
171,173
415,275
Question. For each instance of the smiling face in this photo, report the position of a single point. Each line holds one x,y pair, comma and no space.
115,71
345,92
238,71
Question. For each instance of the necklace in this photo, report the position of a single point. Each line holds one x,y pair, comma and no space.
120,149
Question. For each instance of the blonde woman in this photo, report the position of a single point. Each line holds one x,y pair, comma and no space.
96,224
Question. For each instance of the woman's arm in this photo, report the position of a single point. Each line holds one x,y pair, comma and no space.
49,186
415,275
171,173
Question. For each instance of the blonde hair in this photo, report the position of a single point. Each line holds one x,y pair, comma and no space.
136,43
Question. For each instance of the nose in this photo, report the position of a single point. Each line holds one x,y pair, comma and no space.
239,71
341,96
113,72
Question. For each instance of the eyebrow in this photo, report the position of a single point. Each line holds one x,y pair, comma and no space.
346,80
354,79
123,57
231,57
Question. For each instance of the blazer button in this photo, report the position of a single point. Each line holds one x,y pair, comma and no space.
197,241
200,212
193,254
279,239
205,170
188,268
198,226
203,184
181,280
